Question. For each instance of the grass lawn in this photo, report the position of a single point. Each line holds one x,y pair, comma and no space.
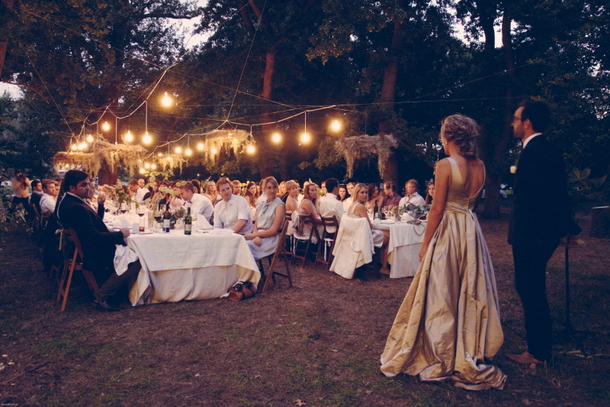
316,344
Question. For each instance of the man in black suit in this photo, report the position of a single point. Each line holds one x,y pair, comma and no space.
539,220
98,244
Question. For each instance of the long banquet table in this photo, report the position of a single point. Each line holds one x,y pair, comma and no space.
178,267
404,246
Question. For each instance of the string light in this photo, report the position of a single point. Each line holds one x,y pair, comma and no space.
160,155
200,146
276,138
305,138
336,126
73,147
188,152
166,100
153,166
214,151
250,149
106,126
128,136
142,171
89,138
147,165
147,139
178,149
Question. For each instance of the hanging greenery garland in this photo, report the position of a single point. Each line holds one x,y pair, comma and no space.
216,140
360,147
103,152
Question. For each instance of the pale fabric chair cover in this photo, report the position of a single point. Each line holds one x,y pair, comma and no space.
353,246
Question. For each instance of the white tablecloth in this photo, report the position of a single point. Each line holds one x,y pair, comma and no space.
178,267
404,246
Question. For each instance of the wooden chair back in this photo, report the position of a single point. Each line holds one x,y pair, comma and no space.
280,250
75,263
307,240
325,249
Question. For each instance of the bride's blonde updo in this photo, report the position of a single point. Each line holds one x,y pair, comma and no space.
462,131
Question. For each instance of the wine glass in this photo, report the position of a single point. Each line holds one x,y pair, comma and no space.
158,216
123,208
141,211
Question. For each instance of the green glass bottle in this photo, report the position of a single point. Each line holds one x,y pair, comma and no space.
188,222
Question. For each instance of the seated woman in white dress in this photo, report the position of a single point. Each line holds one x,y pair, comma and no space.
268,223
308,206
357,208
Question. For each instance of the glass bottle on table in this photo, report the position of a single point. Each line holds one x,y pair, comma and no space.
167,217
188,222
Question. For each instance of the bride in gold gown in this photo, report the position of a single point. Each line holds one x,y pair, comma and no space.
449,323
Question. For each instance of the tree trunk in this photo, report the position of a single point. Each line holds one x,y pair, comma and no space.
3,38
388,93
494,176
265,163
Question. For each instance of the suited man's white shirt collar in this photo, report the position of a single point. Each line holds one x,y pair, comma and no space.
530,138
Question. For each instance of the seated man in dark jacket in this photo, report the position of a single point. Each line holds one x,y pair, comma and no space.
98,244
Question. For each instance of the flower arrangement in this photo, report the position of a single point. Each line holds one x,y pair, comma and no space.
117,193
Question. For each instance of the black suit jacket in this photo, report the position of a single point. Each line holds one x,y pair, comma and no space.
97,242
541,212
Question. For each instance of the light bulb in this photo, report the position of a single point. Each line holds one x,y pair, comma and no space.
276,138
214,151
142,171
305,138
166,100
336,126
178,150
128,136
160,154
200,146
153,166
250,149
188,152
105,126
147,139
89,138
146,165
73,147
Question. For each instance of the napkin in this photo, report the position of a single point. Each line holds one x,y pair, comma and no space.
123,256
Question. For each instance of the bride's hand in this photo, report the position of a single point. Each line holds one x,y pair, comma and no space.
422,252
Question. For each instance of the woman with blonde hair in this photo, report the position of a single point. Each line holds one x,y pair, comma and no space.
448,326
292,203
358,208
268,222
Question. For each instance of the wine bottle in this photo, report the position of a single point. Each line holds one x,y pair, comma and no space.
167,216
188,222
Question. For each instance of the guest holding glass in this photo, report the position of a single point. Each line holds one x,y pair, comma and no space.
231,212
268,221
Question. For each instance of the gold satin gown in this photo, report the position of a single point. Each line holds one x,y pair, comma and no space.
449,321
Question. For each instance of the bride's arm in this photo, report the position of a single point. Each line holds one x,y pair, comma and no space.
441,183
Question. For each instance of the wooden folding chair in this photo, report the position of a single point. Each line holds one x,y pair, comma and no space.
280,250
328,241
74,263
298,239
